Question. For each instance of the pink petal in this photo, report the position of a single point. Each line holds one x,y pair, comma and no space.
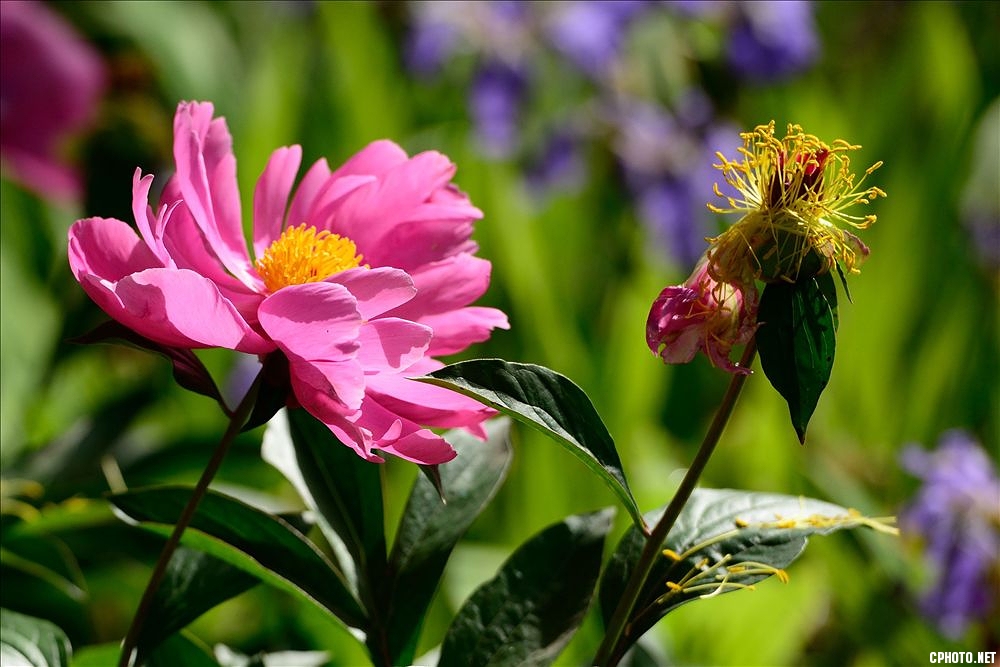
370,213
186,245
270,198
314,321
413,244
458,329
351,435
446,285
681,347
108,249
314,180
151,230
402,437
328,199
373,160
419,446
206,175
391,344
376,290
177,307
330,390
426,404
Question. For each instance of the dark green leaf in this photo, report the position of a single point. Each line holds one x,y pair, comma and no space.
843,281
725,540
33,568
194,583
797,338
179,650
182,649
344,489
528,612
261,544
32,642
430,528
549,402
189,372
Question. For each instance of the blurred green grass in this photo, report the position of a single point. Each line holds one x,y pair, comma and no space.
917,353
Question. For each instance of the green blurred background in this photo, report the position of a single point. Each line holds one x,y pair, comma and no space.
916,84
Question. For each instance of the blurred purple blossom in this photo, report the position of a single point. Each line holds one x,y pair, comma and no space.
51,82
667,160
772,40
957,514
559,165
429,45
590,34
496,99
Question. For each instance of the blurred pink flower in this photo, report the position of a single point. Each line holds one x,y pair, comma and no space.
361,277
50,84
702,314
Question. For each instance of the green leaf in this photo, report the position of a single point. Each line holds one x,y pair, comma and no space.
254,541
528,612
194,583
724,540
430,528
344,489
549,402
30,641
797,339
182,649
31,567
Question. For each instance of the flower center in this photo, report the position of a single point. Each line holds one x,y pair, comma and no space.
303,255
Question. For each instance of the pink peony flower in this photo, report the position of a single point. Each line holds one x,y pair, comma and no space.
702,314
50,85
361,278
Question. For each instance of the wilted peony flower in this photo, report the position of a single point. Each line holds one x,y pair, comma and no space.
702,314
361,278
50,85
957,513
792,191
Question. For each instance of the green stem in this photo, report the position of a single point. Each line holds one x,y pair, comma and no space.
236,420
609,652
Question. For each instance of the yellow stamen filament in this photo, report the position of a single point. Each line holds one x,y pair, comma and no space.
303,255
791,200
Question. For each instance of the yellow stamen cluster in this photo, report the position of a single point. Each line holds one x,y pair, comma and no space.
714,576
792,191
852,519
711,579
303,255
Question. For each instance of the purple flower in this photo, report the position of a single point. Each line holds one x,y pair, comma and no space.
590,34
772,40
431,42
667,161
559,164
495,100
957,514
50,84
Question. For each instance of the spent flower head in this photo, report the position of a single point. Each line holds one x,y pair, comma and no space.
794,194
